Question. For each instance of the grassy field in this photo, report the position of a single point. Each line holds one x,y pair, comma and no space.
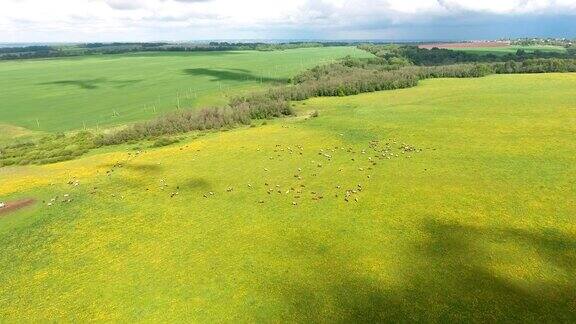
73,93
10,132
512,49
473,222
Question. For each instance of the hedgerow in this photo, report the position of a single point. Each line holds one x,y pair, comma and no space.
350,76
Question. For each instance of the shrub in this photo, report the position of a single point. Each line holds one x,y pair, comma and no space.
165,141
263,105
47,149
179,122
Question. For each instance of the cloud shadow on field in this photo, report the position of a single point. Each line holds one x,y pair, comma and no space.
142,167
91,84
135,166
448,278
196,184
230,75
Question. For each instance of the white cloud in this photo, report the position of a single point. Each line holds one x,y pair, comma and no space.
77,20
498,6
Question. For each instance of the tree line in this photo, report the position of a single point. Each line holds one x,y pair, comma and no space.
49,51
240,111
349,76
442,56
390,52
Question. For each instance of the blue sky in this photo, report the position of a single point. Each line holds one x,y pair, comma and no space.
181,20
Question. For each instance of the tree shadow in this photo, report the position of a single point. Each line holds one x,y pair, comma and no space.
91,84
230,75
451,280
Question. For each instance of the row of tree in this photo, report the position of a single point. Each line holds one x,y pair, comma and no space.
46,51
442,56
565,42
241,111
347,77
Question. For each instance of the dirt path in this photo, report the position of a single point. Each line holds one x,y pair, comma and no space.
12,206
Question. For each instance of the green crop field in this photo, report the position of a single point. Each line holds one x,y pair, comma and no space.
512,49
461,205
89,92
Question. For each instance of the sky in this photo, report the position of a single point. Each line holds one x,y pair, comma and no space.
186,20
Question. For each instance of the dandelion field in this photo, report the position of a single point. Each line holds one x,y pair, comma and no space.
451,201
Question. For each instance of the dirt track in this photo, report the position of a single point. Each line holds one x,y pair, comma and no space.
12,206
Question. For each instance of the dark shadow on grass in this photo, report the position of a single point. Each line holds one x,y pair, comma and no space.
153,184
91,84
142,167
452,279
195,184
119,84
87,84
231,75
457,256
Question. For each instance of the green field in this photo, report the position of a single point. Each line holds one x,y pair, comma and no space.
512,49
73,93
478,226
